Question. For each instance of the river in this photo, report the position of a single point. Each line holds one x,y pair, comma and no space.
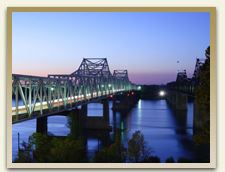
165,132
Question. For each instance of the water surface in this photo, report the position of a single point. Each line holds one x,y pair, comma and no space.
167,133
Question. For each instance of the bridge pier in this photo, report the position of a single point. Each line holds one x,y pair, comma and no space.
42,125
125,101
181,121
105,103
76,123
99,122
93,122
177,100
84,110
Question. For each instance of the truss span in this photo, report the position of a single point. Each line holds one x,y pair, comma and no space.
36,95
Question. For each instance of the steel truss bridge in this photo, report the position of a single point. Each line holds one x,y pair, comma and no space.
183,83
92,80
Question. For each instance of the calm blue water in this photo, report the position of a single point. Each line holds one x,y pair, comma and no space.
168,134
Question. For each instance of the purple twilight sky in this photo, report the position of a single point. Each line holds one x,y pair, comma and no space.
147,44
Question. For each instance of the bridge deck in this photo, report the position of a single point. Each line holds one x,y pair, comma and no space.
20,114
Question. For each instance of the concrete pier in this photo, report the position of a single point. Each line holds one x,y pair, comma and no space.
177,100
93,122
42,125
99,122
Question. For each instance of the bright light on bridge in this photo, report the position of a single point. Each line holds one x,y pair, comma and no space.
139,87
162,93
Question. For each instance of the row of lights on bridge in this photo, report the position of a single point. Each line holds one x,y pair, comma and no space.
109,85
162,93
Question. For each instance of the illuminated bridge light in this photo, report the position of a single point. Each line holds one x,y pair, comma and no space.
88,94
162,93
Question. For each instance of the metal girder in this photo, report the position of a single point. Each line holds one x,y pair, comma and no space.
93,67
92,79
121,74
198,65
181,76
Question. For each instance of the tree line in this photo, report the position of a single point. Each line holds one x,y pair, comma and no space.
44,149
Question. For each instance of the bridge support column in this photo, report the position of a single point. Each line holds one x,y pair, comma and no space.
105,103
42,125
84,110
177,100
99,122
77,123
181,101
94,122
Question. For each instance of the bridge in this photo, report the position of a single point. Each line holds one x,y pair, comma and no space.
183,87
91,82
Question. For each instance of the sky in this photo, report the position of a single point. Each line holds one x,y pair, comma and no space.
147,44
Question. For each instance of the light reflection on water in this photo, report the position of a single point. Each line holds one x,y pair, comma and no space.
154,118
